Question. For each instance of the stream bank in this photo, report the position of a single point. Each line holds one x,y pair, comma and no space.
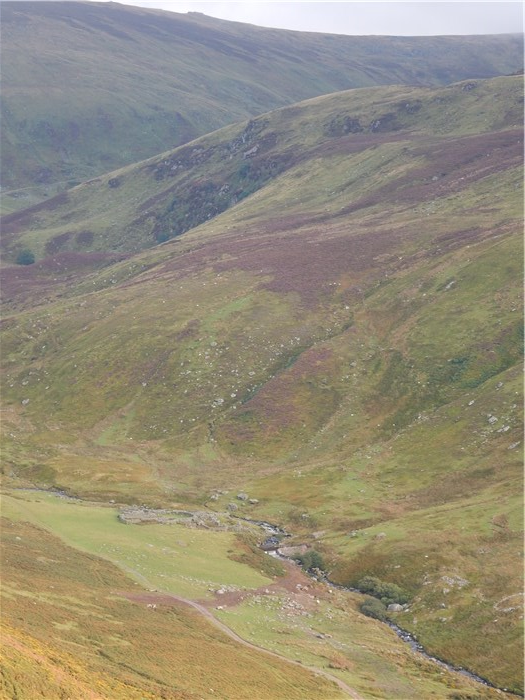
404,635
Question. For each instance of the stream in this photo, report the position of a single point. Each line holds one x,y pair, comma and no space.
405,636
275,534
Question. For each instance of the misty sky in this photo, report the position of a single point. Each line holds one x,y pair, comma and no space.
349,17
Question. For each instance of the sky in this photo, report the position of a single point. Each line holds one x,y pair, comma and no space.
418,18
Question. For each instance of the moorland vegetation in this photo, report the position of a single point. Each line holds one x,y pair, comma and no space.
90,88
311,317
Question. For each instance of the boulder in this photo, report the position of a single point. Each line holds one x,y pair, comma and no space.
395,607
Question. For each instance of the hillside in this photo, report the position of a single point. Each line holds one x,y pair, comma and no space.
161,198
96,631
90,87
334,329
60,651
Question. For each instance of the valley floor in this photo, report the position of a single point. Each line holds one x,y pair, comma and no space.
309,634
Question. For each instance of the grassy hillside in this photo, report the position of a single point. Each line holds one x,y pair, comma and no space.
381,145
90,87
338,333
290,615
77,635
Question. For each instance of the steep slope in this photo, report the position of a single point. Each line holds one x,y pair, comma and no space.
343,342
89,87
152,644
150,202
85,641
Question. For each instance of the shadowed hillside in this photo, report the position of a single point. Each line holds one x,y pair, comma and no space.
335,329
89,87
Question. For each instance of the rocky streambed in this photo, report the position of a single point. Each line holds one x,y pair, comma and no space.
288,554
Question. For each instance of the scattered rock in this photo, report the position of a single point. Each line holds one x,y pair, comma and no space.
270,544
386,122
251,152
342,125
140,515
412,107
292,551
242,496
395,607
455,581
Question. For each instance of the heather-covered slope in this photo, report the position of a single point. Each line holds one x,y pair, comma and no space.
89,87
342,340
429,133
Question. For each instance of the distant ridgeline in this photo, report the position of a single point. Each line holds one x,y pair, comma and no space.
88,88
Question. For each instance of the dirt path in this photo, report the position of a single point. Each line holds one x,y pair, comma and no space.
171,598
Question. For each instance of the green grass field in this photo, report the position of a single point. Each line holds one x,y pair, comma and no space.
67,633
172,558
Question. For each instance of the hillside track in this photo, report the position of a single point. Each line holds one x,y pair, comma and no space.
170,599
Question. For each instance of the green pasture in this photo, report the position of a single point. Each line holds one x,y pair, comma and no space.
171,558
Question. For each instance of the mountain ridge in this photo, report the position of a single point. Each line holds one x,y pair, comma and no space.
200,74
175,191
